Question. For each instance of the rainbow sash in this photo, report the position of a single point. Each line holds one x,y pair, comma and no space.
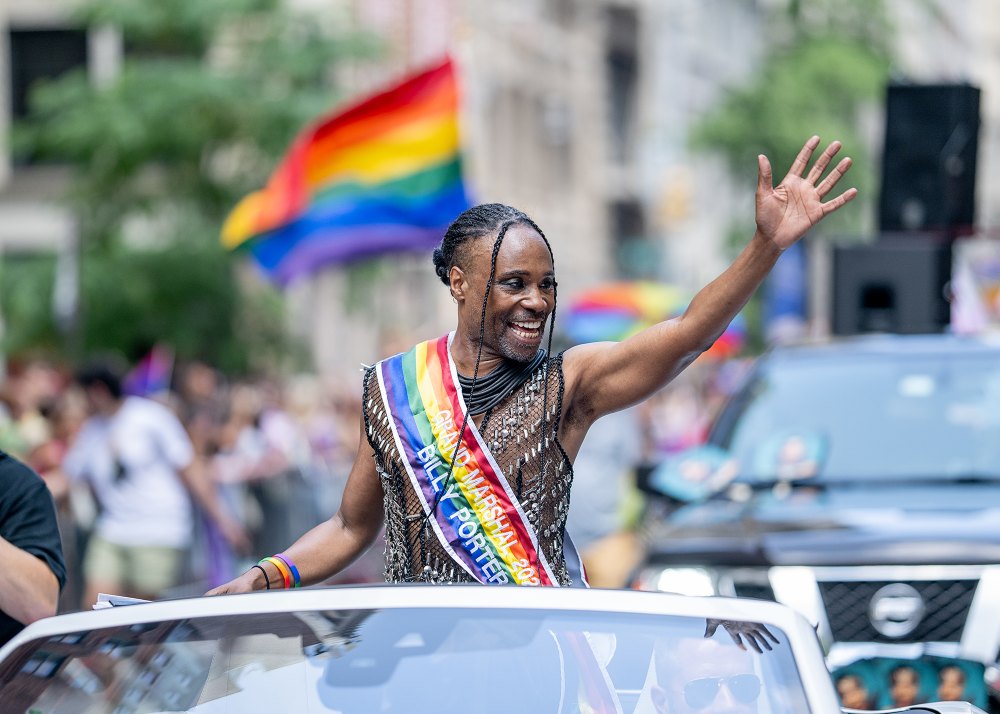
478,519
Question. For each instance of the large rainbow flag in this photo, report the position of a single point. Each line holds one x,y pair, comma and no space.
383,175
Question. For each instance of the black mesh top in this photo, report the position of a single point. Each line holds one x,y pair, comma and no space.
513,432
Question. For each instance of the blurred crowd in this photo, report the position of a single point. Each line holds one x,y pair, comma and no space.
273,455
220,471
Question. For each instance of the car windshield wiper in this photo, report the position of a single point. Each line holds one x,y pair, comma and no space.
767,485
971,477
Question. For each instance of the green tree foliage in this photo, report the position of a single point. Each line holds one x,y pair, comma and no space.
828,61
209,96
26,302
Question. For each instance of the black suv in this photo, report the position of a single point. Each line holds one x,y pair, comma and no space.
859,482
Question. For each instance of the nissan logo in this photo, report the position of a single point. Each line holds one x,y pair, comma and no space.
896,610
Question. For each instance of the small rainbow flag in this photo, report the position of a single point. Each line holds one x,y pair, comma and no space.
151,375
383,175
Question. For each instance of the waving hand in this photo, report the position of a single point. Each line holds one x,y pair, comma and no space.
787,211
604,377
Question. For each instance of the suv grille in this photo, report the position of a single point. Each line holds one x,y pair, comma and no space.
757,591
946,604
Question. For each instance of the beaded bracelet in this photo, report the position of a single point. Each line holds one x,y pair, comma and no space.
286,574
296,580
267,580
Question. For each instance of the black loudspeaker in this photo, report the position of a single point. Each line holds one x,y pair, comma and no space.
896,285
929,160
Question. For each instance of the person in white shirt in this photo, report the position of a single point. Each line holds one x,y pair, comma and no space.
139,462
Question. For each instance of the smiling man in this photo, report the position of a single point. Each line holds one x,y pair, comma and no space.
469,439
707,676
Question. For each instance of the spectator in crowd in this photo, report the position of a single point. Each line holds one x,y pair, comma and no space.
241,458
695,676
139,461
676,418
282,492
74,507
201,398
30,549
23,426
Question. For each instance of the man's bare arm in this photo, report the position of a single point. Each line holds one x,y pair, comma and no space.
605,377
334,544
29,589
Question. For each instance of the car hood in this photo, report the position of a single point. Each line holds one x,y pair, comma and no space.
838,525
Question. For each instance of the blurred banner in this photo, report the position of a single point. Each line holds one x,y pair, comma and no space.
886,682
786,297
383,175
975,287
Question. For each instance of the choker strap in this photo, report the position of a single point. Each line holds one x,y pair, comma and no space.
495,386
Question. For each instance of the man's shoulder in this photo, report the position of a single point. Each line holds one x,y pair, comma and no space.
17,477
14,467
583,352
578,358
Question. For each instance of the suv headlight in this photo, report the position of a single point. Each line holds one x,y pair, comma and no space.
681,581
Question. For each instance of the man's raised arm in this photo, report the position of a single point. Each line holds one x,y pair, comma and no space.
605,377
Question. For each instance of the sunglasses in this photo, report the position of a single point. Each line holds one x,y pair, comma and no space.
699,693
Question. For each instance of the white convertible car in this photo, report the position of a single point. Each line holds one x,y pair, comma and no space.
467,649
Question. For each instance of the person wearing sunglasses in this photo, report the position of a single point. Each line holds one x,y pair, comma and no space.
705,676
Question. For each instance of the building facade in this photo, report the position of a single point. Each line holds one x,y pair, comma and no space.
577,111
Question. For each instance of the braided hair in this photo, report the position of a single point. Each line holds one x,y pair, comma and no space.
478,221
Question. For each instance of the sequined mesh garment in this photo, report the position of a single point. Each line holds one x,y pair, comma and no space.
513,432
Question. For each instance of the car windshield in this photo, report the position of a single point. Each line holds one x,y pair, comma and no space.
868,418
404,660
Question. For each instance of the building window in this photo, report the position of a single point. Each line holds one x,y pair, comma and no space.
622,67
636,256
38,55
